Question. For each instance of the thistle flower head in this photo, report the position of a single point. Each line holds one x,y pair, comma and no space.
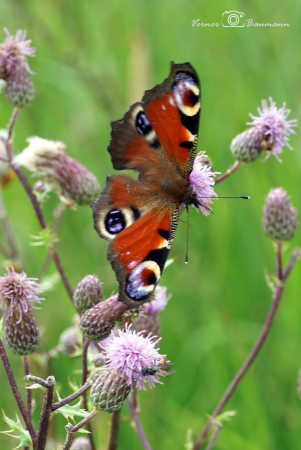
280,218
19,292
269,131
159,302
109,390
14,52
87,293
48,159
201,180
130,354
14,68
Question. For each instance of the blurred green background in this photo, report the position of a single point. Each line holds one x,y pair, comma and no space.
94,59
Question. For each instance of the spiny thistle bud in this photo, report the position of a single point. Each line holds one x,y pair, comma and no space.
280,218
109,390
269,131
18,293
88,293
22,335
148,319
14,68
48,159
81,443
97,322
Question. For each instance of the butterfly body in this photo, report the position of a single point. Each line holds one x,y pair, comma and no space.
157,137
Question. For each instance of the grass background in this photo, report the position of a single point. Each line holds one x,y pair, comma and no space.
93,60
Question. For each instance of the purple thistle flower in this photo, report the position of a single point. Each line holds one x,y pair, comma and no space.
14,52
130,354
202,181
14,68
268,131
19,292
157,305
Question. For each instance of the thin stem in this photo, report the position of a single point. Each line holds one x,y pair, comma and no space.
45,415
138,425
16,392
71,430
70,397
115,422
12,122
85,374
279,273
254,352
29,393
214,437
229,172
8,229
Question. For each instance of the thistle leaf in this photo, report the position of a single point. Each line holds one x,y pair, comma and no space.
17,431
70,412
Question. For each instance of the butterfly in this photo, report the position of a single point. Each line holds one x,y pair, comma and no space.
158,138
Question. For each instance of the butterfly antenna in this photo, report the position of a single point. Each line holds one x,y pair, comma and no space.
245,197
187,234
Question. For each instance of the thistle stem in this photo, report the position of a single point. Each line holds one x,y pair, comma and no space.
229,172
29,393
115,422
279,273
71,430
85,374
70,397
16,393
45,415
132,405
254,352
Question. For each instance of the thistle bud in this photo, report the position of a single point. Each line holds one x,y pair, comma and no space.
246,146
269,131
280,218
109,390
22,334
14,68
18,293
48,159
69,341
97,322
81,443
87,294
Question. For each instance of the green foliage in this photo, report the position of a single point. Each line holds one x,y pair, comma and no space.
17,431
87,74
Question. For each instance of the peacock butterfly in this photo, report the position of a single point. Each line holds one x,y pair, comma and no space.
158,138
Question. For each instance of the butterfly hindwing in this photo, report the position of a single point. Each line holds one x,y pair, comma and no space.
139,233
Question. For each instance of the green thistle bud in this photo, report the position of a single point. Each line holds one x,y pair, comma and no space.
87,294
22,334
81,443
109,390
97,322
248,145
280,218
18,294
19,89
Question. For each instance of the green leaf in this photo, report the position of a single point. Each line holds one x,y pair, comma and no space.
189,441
69,412
45,238
224,417
34,386
17,431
